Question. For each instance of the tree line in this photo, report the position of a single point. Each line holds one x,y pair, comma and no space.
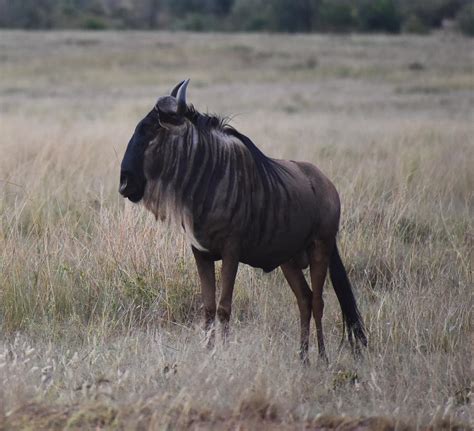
390,16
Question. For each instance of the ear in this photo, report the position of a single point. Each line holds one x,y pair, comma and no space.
167,105
172,109
168,113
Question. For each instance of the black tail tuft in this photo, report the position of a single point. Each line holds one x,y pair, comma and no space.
350,312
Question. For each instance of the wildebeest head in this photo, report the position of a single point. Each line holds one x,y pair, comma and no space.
168,112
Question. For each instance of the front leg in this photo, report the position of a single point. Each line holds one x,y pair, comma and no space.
230,263
207,277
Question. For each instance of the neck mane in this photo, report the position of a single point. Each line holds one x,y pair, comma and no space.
206,122
187,167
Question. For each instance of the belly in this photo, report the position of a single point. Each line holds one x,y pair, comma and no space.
277,227
279,250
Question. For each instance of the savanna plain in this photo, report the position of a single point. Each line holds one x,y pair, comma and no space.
100,304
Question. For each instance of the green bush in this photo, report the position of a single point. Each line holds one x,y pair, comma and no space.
413,24
197,22
291,15
94,24
379,16
275,15
465,19
256,23
337,16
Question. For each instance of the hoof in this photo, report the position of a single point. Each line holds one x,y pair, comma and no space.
209,338
323,358
304,358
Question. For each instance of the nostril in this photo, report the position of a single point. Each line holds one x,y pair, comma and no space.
131,186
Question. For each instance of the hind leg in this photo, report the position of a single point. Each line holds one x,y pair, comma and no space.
295,278
319,256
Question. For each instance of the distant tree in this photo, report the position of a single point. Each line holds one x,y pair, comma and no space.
465,19
292,15
337,15
242,15
379,15
152,12
215,7
431,13
30,14
219,7
276,15
251,15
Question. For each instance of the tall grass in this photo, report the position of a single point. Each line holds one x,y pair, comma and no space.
100,304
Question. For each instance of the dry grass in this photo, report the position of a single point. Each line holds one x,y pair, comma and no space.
99,304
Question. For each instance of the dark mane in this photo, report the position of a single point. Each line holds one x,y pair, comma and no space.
265,164
205,122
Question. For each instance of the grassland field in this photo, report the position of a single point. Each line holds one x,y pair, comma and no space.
100,304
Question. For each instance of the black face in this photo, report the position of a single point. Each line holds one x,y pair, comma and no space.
132,176
168,112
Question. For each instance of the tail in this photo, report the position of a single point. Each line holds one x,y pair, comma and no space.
350,313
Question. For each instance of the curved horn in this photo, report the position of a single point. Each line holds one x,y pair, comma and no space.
174,91
182,97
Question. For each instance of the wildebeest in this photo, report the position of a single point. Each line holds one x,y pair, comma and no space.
235,204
